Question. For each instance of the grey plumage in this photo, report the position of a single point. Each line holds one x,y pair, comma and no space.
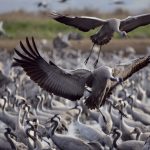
71,84
127,71
67,84
109,26
85,23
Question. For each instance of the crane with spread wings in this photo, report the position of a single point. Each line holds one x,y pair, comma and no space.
72,84
108,26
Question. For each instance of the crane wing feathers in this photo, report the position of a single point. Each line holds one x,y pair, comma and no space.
83,23
128,70
130,23
48,76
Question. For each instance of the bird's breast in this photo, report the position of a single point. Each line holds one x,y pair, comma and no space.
114,24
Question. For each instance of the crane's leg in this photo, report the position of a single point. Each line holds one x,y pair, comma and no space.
89,54
95,63
102,115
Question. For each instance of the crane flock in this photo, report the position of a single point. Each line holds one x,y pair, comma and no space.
44,106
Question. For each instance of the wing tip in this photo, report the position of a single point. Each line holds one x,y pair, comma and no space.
54,15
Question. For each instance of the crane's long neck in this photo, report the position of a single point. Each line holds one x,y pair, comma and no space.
51,102
138,135
54,128
79,114
9,140
14,102
115,25
38,105
19,125
118,31
109,108
3,108
31,136
116,138
28,133
23,117
8,99
42,103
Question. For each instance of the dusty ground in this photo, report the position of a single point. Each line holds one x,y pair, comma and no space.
140,45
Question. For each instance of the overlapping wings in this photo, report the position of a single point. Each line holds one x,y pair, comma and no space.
130,23
50,77
83,23
128,70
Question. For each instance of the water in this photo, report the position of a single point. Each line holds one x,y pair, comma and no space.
102,5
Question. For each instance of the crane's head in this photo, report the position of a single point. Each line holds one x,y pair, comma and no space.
123,34
105,73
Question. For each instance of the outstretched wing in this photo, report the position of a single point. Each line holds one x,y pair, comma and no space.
130,23
50,77
128,70
83,23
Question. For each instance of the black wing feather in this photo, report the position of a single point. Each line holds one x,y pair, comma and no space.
134,22
50,77
25,51
83,23
129,70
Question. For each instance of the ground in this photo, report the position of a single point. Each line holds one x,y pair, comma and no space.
20,24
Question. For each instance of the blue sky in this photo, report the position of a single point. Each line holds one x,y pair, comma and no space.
101,5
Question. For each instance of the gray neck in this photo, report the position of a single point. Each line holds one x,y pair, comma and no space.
116,138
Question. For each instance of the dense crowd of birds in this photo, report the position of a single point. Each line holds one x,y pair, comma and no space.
31,118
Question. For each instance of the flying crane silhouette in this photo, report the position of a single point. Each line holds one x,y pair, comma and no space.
72,84
109,26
